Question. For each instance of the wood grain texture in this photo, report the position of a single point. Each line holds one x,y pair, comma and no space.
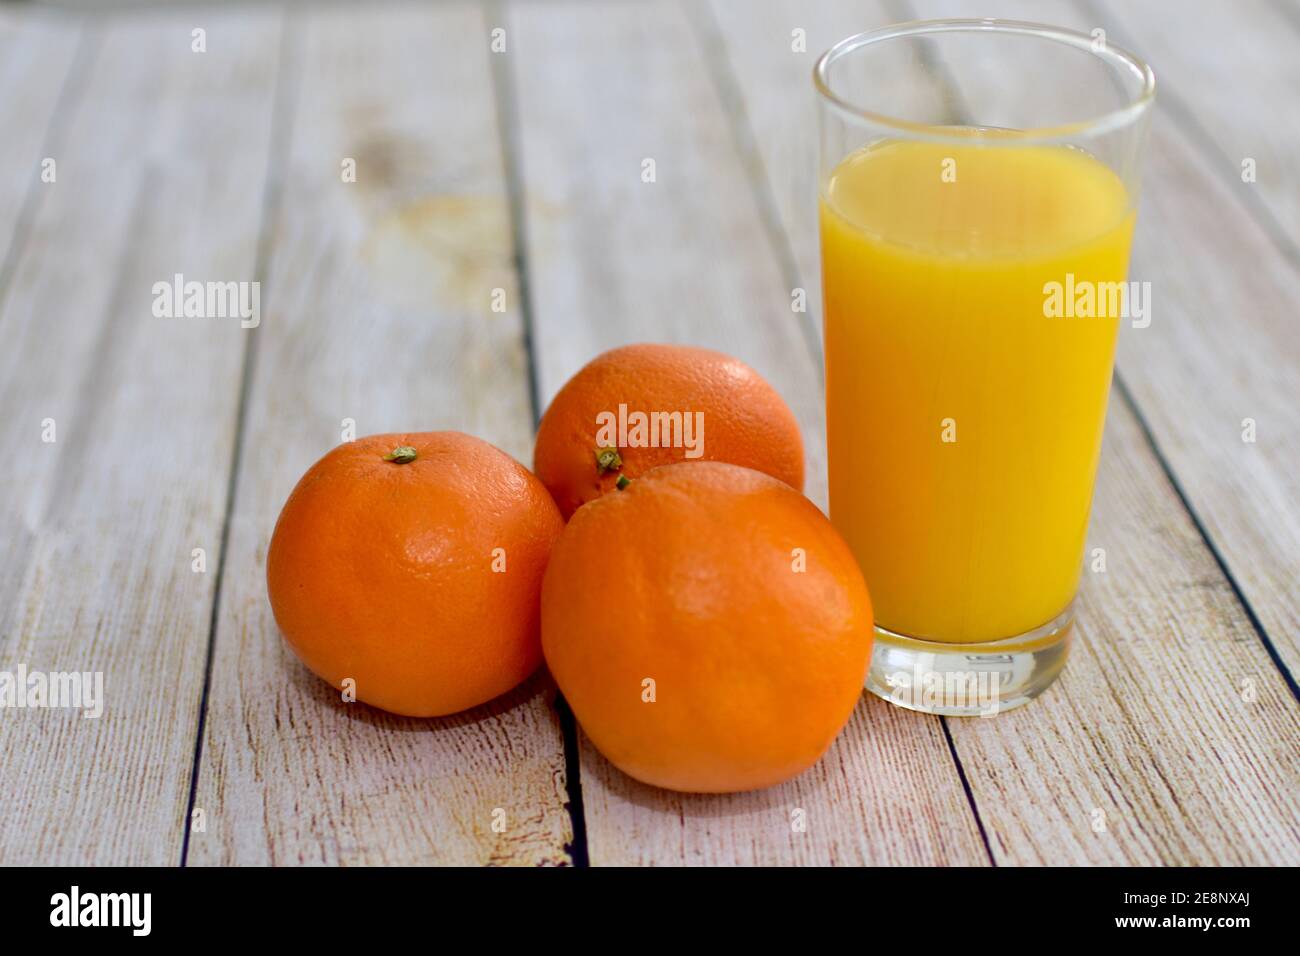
614,259
99,525
36,56
1228,73
378,300
1161,641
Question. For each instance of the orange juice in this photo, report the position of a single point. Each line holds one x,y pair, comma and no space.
964,423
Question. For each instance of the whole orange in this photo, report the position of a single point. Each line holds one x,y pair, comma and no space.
708,626
707,406
412,564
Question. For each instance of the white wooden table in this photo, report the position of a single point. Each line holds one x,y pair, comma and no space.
520,170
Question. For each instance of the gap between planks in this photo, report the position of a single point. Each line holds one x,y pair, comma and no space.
276,163
503,91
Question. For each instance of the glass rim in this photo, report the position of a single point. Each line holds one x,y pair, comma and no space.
1096,125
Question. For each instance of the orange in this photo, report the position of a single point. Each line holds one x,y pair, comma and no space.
412,564
708,626
732,413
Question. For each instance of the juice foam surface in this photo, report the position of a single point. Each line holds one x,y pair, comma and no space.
977,201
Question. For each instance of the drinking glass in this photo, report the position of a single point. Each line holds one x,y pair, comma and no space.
978,188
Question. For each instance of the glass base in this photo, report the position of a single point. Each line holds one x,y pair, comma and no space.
969,680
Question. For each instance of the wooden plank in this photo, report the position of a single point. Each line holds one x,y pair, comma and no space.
1228,74
378,310
1105,738
614,259
36,56
99,525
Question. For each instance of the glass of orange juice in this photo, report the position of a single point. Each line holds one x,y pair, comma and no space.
978,187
